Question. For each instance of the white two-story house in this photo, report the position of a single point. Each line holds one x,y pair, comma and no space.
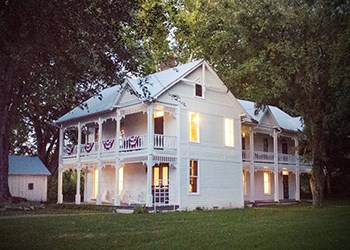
175,138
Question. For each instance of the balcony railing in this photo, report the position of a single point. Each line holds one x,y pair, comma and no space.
287,159
263,156
130,143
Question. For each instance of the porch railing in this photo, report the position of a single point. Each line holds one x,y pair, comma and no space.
263,156
88,148
287,159
164,141
134,142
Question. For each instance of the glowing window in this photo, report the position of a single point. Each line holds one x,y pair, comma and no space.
194,127
95,177
165,176
267,184
156,176
121,180
193,176
229,132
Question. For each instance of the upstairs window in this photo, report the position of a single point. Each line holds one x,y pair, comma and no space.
194,126
198,90
229,132
193,176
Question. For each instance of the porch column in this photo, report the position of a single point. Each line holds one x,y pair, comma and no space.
99,139
150,133
275,157
77,195
85,171
99,193
117,133
297,170
59,192
251,144
178,155
252,183
79,141
117,196
149,201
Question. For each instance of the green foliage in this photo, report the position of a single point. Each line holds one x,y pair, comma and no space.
140,209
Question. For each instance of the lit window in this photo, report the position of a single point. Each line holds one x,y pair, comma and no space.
95,182
229,132
121,180
193,176
194,127
199,90
156,176
267,184
165,176
30,186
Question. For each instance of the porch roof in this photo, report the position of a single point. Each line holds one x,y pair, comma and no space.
26,165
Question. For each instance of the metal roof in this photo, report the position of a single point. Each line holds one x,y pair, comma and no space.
283,120
96,104
27,165
155,85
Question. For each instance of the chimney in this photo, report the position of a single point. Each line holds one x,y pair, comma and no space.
167,63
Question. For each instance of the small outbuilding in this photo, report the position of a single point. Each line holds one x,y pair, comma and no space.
28,177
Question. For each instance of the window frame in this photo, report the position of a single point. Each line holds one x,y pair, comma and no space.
233,132
202,90
31,186
190,127
190,176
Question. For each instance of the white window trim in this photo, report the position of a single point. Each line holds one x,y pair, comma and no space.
198,178
194,93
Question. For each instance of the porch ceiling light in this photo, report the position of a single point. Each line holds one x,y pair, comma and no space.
158,114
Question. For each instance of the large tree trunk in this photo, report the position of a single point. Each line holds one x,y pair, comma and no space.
7,107
318,176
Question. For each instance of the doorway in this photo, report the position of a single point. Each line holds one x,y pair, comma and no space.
285,187
160,183
158,132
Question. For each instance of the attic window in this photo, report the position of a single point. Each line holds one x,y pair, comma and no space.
30,186
199,90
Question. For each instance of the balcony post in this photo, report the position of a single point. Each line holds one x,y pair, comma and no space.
251,145
117,134
79,141
297,170
150,133
178,155
77,195
99,139
61,144
275,156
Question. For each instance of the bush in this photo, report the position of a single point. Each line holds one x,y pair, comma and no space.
140,210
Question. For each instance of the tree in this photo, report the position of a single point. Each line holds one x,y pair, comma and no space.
52,49
294,54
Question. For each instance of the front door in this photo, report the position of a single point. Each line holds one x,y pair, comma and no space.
160,184
285,187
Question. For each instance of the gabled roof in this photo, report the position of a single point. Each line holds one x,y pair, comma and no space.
156,84
283,120
26,165
159,82
96,104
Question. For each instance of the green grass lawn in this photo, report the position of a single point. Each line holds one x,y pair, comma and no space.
284,227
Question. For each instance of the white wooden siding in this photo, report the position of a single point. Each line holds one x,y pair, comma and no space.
18,185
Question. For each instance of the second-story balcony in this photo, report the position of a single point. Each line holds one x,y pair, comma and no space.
127,144
268,157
